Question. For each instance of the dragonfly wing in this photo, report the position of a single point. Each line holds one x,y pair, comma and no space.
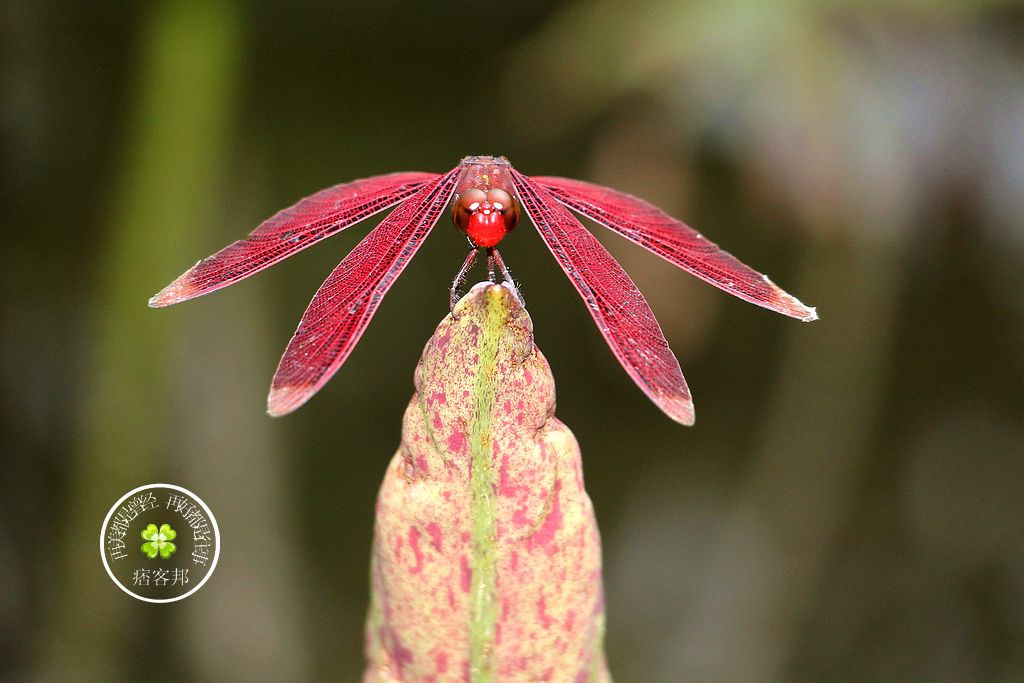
674,241
289,231
619,309
347,300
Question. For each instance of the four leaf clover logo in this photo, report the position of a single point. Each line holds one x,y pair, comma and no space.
158,541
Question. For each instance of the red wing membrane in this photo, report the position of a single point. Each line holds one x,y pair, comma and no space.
289,231
347,300
618,307
674,241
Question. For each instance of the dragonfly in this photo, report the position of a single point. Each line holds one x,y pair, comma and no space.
486,196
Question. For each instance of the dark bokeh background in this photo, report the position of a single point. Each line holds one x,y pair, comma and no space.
849,503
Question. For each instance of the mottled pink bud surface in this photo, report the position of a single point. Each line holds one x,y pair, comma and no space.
486,556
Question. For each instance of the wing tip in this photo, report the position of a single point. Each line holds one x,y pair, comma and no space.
174,293
286,399
790,306
787,304
795,308
679,409
687,419
164,298
181,289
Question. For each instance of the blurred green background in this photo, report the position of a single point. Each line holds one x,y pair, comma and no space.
849,503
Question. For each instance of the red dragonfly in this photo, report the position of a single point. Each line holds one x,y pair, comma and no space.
485,194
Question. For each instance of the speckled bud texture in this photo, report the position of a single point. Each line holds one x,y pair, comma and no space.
486,556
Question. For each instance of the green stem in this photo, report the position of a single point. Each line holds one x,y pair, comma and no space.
483,585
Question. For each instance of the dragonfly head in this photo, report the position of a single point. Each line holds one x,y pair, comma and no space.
486,216
485,208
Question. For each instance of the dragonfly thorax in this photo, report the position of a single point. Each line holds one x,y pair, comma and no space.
485,215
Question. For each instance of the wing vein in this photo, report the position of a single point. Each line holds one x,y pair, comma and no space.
341,309
648,226
291,230
616,304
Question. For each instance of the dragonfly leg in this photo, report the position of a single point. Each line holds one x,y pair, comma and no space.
506,275
454,295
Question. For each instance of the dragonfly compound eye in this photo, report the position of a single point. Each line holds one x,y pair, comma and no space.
506,204
465,206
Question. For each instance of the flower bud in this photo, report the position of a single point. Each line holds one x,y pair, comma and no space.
486,554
